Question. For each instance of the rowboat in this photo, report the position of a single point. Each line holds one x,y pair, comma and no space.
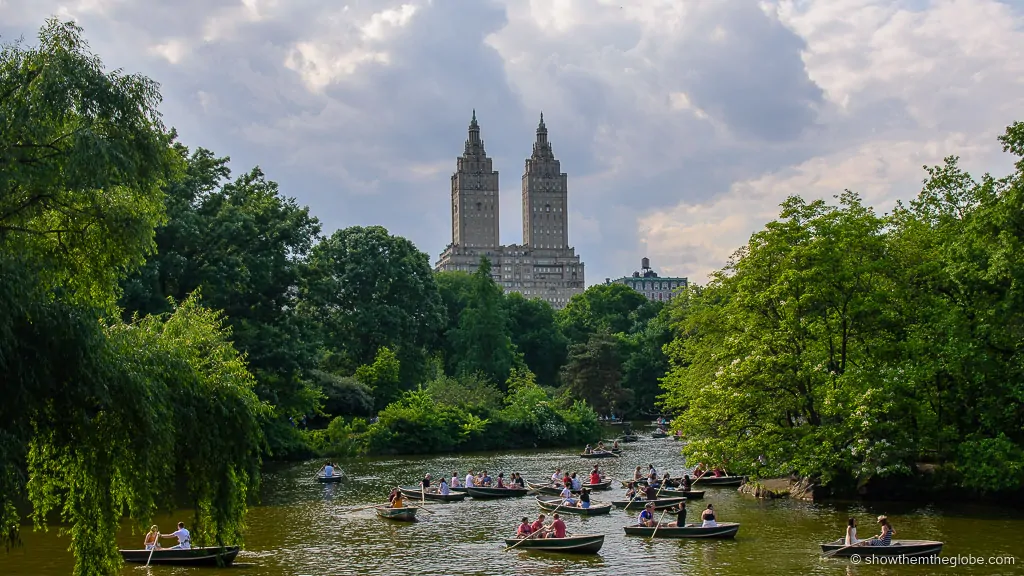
553,505
328,479
599,454
688,494
414,493
897,548
556,489
491,492
404,514
723,530
629,438
209,556
711,480
659,504
659,434
578,544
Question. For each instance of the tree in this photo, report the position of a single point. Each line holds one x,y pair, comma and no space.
381,377
481,341
83,155
593,373
243,243
602,306
535,334
369,290
455,289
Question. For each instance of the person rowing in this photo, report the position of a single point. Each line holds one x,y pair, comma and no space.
595,477
600,446
556,478
425,483
328,470
396,498
615,445
538,526
567,499
183,536
588,450
152,541
638,475
687,483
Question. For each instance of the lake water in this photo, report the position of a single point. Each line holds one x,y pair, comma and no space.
306,528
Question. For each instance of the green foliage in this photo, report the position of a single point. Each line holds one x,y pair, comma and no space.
381,377
848,346
535,334
608,307
343,395
482,338
593,373
369,290
82,159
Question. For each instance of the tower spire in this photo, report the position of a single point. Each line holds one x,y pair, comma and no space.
474,134
542,148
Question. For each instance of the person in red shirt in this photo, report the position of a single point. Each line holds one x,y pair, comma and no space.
558,527
538,524
595,476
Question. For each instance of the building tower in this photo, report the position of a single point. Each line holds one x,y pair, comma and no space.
475,195
545,197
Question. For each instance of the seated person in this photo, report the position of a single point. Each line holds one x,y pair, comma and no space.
567,499
584,499
687,483
885,538
501,480
708,517
152,538
443,488
455,480
630,491
538,526
680,516
557,528
588,450
646,517
651,493
524,530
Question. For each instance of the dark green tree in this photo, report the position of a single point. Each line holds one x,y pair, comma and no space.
481,341
369,290
536,336
611,307
593,373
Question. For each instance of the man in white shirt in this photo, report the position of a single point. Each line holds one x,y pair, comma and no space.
470,480
183,536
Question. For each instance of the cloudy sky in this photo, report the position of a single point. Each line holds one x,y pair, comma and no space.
681,123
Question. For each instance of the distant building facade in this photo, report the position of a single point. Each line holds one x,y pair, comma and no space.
544,266
648,283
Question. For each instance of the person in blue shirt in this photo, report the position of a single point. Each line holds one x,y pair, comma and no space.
328,470
646,517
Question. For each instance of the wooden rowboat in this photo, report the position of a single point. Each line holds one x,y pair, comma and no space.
556,490
659,434
576,544
328,479
209,556
712,480
689,495
723,530
659,504
403,514
491,492
629,438
413,493
596,508
897,548
600,454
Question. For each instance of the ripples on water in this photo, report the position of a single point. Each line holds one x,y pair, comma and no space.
303,527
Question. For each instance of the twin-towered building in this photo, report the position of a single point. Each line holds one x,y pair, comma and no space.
543,266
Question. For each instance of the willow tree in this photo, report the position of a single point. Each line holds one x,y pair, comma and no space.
100,417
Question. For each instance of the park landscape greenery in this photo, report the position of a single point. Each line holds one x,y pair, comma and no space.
165,326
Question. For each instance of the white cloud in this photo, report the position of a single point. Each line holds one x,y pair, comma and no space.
681,123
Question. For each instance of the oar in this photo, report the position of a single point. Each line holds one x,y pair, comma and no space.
153,549
663,512
317,475
838,550
421,508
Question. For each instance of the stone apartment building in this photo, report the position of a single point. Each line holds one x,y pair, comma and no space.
647,282
544,266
